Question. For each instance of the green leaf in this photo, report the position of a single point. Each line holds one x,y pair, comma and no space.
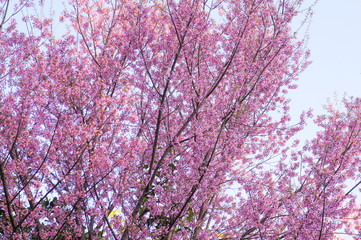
191,213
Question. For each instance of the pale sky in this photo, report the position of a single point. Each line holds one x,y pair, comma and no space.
335,45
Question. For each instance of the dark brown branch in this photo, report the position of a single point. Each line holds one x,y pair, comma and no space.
79,199
323,213
207,160
42,163
84,38
7,197
159,118
5,13
54,187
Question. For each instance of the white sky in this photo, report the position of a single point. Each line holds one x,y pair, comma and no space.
335,45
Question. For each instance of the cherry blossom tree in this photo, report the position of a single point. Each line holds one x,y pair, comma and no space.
166,119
